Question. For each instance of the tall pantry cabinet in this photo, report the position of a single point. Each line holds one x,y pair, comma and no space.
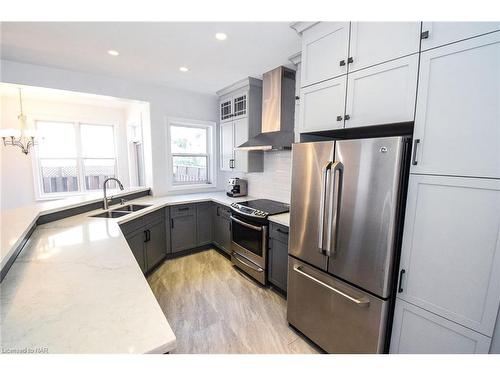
449,274
361,74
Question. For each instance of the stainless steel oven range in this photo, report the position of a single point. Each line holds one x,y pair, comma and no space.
249,243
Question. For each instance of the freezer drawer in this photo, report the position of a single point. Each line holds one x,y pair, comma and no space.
336,316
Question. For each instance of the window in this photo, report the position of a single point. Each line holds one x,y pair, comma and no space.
72,158
191,153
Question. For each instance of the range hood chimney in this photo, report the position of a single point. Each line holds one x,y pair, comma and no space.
278,107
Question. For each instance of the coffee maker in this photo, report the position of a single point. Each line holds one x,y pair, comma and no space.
236,187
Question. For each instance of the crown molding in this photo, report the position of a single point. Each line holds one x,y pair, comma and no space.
300,27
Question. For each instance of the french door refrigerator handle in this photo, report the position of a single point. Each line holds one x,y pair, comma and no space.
360,302
333,218
324,183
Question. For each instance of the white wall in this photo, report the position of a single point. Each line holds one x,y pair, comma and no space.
18,187
164,102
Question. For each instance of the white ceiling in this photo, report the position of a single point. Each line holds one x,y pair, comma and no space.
154,51
8,90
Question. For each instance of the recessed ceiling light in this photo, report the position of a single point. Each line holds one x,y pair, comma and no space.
183,69
221,36
113,52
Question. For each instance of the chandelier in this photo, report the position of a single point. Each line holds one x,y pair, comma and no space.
23,137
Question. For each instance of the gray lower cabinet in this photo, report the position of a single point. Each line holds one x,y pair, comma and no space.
147,238
222,227
155,244
136,243
183,233
278,256
204,223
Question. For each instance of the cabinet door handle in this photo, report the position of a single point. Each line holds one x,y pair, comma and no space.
347,117
149,235
424,34
350,60
145,236
218,211
339,118
414,160
183,209
342,62
172,223
400,285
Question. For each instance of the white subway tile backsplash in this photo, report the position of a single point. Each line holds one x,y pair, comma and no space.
274,183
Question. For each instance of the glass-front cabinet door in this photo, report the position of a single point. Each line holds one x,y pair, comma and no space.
226,109
240,105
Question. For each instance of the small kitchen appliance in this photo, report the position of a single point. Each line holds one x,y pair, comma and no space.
236,187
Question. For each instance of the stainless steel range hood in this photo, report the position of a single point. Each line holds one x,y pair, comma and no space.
278,107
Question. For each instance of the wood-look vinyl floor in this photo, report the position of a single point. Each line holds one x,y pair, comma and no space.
212,308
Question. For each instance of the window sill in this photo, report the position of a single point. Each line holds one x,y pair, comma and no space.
91,194
192,187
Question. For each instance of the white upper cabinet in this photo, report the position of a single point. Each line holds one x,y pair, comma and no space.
324,52
226,146
373,43
233,107
457,122
240,118
322,105
435,34
450,260
233,134
417,331
382,94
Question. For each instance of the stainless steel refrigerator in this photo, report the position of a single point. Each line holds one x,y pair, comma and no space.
345,224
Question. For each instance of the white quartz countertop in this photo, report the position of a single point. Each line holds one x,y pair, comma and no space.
283,219
77,288
15,223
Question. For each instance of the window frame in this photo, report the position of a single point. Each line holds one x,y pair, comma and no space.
210,128
40,195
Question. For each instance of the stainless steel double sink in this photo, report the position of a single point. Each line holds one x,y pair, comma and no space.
121,211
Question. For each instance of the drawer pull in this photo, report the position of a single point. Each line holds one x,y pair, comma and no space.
246,262
360,302
281,231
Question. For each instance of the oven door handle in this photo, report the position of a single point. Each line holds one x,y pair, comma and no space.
246,262
254,227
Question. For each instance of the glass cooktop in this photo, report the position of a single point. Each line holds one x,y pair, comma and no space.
267,205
